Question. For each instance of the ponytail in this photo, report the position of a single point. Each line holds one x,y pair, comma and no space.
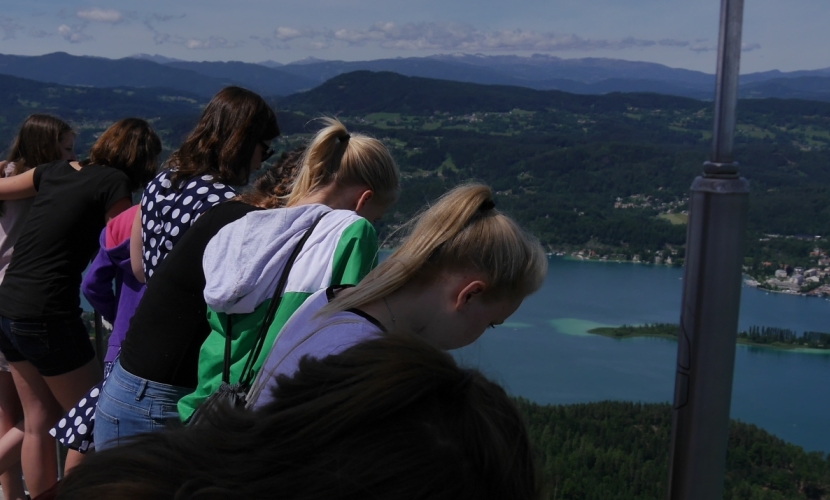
462,232
335,155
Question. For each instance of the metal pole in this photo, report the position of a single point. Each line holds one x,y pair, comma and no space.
711,293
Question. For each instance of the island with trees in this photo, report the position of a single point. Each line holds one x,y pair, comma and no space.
758,336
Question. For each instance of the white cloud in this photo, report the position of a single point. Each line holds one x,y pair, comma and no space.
462,37
670,42
97,15
749,47
318,45
213,42
73,34
284,34
702,46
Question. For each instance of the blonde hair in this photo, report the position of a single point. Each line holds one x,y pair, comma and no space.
462,231
335,155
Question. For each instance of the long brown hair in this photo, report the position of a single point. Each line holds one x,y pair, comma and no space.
391,418
273,187
37,142
335,155
223,142
462,231
130,145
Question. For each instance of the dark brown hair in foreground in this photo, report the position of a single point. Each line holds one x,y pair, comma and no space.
129,145
37,142
392,418
223,142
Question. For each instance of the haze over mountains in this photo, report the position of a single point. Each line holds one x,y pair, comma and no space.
540,72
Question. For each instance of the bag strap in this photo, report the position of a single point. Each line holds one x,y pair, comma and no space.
247,374
226,366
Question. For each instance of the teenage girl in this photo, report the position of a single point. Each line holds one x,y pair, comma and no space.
389,419
350,178
230,141
41,139
464,267
160,350
41,332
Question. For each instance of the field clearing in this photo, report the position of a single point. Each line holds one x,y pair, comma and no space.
675,219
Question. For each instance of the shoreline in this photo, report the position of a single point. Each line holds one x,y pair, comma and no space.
797,349
574,258
745,277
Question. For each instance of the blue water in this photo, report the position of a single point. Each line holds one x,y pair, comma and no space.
544,354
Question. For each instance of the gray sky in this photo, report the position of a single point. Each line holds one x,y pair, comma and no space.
778,34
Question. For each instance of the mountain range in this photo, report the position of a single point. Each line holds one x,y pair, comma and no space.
540,72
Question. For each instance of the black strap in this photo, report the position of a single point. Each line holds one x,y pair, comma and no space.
226,368
247,374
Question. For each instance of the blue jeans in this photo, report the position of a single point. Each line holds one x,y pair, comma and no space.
130,405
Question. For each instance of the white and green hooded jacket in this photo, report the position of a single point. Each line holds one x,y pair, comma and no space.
243,263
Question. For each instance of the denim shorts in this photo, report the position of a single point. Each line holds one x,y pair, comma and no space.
54,347
130,405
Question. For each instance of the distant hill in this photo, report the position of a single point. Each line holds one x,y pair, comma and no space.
262,79
803,87
90,110
363,92
540,72
562,164
144,71
66,69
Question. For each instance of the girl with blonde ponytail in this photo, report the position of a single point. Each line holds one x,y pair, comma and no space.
351,179
465,266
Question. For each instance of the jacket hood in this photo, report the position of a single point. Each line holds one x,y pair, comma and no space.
245,259
118,254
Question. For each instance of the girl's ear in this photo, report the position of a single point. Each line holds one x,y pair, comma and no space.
467,292
363,199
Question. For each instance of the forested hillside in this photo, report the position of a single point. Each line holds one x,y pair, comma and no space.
90,110
563,162
608,171
619,451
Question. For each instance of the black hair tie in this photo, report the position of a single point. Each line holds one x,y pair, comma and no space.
487,205
345,138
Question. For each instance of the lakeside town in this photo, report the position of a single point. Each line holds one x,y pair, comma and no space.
812,280
768,275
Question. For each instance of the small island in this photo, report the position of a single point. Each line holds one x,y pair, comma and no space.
758,336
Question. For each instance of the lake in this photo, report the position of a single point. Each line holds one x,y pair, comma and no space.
543,352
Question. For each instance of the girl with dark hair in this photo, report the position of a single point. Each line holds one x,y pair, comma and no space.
464,267
161,344
389,419
41,139
169,319
41,332
229,142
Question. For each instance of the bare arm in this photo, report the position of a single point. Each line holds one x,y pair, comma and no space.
136,247
18,187
117,207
